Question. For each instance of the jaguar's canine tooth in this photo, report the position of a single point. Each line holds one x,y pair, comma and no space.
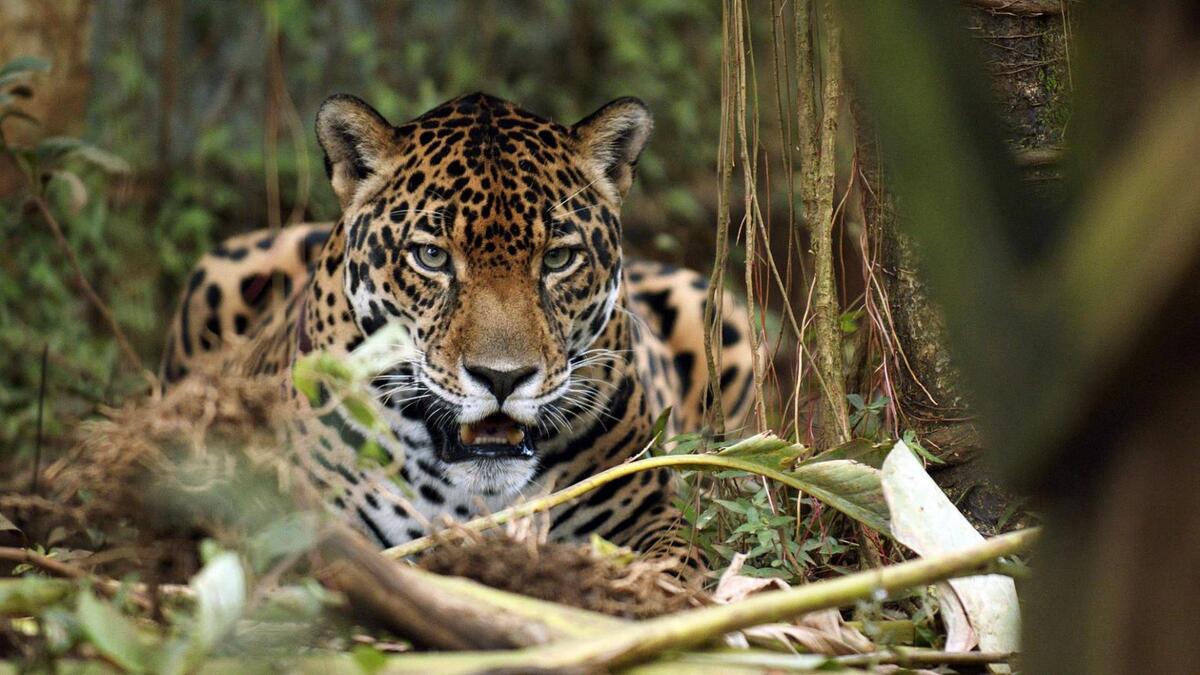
514,435
467,433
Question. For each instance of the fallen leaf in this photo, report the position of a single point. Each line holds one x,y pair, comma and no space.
924,519
821,632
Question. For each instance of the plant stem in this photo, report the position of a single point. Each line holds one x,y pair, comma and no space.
691,628
127,349
792,478
644,640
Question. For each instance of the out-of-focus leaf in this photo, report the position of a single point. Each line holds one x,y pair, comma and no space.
7,525
23,64
371,660
59,148
925,520
115,636
20,68
28,595
56,147
102,159
19,115
220,598
293,533
77,193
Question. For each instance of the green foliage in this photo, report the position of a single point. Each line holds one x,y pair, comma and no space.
778,512
198,158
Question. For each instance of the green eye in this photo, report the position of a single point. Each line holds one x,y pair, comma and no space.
558,258
432,257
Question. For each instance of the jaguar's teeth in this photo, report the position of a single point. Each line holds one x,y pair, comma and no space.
467,433
514,435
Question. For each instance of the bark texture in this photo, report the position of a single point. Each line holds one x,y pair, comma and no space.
1029,65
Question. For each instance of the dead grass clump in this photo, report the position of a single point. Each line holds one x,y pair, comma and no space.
564,573
123,482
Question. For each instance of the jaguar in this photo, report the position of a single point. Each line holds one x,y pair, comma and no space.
541,356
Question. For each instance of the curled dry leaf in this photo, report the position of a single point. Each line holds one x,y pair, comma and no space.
821,632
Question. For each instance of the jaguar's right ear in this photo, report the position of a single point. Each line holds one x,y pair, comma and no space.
357,142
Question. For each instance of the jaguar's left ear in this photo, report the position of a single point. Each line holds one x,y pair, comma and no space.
611,140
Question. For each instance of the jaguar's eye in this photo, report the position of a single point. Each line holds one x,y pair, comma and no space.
558,258
432,257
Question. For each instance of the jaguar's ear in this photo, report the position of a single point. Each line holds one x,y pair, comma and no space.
357,142
611,139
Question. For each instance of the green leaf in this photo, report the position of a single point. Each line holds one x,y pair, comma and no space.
29,595
737,507
59,148
56,148
858,450
24,64
660,425
103,159
368,658
849,486
114,635
765,449
77,193
293,533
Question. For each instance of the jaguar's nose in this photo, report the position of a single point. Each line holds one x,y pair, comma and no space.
501,382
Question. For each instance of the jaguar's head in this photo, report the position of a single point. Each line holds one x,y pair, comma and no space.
493,236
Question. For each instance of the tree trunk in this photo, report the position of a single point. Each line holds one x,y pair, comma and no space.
1026,52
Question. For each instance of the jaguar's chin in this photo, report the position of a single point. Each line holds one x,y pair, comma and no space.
491,477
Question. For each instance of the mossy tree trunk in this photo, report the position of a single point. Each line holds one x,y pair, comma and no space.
1025,47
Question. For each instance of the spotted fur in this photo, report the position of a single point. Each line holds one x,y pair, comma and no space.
589,354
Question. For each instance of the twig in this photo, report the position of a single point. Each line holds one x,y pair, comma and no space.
127,349
908,658
714,298
750,196
55,567
138,591
37,450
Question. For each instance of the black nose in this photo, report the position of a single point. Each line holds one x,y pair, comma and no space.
501,382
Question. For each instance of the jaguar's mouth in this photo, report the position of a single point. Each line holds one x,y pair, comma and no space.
496,436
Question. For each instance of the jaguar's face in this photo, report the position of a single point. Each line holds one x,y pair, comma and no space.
493,237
